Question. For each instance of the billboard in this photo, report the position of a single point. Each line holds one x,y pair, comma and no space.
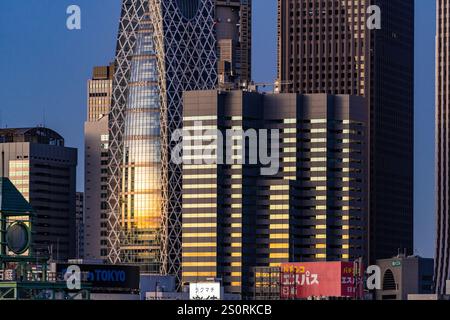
205,291
319,279
106,276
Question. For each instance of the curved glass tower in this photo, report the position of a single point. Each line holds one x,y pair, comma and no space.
141,172
164,48
135,169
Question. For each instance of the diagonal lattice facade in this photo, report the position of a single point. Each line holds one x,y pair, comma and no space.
186,49
184,52
131,15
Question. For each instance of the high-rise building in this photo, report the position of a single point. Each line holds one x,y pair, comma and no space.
328,47
96,141
163,49
44,171
312,207
234,41
99,92
79,225
442,262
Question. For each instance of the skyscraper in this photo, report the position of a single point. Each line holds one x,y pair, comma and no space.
43,169
442,262
134,173
327,47
185,43
234,42
96,140
312,208
99,92
79,225
164,48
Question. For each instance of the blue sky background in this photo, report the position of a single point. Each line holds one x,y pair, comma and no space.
44,68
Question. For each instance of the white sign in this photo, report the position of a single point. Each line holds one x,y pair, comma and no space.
205,291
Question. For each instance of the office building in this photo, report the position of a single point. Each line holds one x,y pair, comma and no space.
79,225
312,204
333,47
403,276
164,48
234,42
96,141
442,265
43,169
99,92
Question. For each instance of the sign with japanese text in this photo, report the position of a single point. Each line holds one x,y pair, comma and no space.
317,279
7,275
205,291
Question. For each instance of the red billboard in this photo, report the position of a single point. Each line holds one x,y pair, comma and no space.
319,279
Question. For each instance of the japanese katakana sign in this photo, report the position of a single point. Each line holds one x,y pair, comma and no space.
205,291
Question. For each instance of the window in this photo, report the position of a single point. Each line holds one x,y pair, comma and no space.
389,281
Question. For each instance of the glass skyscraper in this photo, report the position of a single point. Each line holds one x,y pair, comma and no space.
141,171
442,264
327,47
164,48
134,168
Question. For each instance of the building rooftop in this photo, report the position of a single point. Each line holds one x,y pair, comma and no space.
39,135
103,72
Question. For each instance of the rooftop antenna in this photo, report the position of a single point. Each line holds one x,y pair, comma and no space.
3,163
43,117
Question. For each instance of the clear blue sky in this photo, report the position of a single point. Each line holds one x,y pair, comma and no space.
44,69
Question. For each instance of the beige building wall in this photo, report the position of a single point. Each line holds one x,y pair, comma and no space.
96,162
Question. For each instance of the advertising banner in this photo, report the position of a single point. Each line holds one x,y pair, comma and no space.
318,279
107,276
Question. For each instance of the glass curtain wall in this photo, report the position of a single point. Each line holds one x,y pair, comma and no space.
141,174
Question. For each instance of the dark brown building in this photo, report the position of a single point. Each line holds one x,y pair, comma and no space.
327,47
